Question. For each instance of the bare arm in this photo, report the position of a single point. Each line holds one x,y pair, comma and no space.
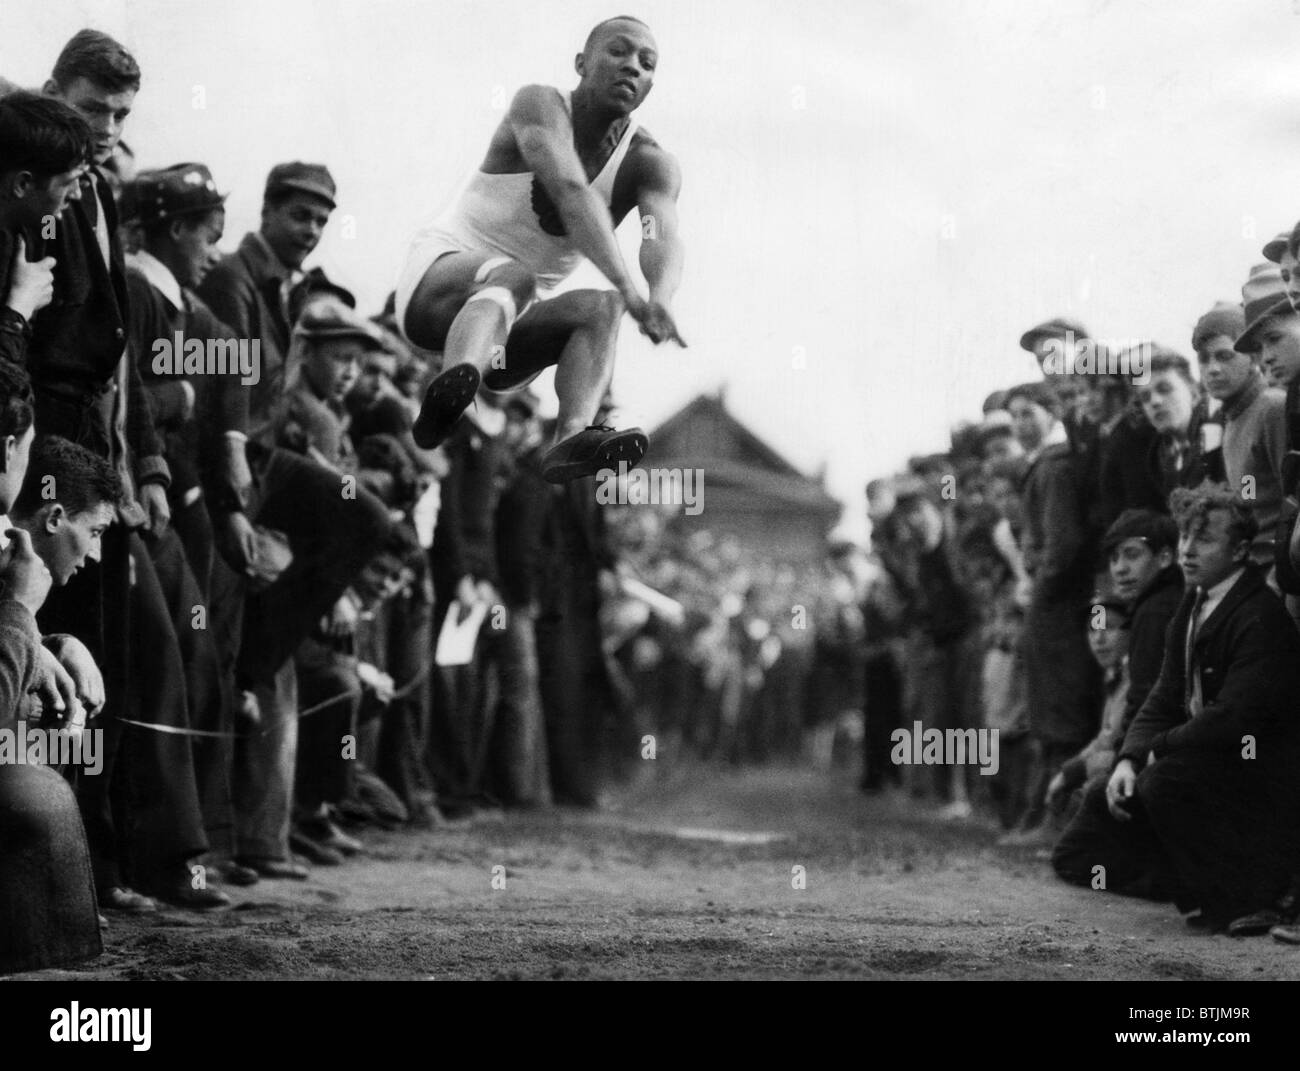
662,251
544,134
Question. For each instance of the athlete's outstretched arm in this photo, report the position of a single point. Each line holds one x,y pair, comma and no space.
662,250
544,134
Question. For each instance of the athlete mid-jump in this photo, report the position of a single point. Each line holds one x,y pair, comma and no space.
561,173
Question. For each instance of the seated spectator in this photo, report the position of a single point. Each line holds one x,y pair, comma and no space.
1108,636
47,893
1141,547
1202,796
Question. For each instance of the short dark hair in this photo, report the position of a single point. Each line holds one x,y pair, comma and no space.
81,479
16,400
1164,360
1040,394
41,135
98,58
1157,530
1191,506
595,30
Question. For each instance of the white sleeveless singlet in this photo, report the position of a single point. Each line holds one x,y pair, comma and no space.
495,213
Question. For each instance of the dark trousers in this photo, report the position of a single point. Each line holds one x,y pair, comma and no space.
332,535
882,709
85,607
1130,853
513,703
167,827
455,747
575,696
406,628
322,769
208,689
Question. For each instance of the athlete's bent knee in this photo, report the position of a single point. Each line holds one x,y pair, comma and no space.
612,306
504,273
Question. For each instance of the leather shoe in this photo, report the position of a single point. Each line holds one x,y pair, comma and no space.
1288,933
233,873
120,898
277,868
320,854
321,831
182,894
1256,924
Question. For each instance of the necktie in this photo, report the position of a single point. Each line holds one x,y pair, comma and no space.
1188,657
90,197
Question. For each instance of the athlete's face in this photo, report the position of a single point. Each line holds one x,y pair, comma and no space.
619,66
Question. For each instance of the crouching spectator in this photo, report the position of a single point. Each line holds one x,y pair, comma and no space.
1200,802
1108,636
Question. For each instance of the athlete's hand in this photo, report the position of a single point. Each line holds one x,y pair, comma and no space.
655,320
1119,790
31,283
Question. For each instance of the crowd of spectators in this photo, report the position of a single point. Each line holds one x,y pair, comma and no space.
229,565
1103,570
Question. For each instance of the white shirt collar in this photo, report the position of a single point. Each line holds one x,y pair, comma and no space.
1054,437
160,277
1221,588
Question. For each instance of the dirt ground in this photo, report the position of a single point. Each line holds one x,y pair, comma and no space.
688,876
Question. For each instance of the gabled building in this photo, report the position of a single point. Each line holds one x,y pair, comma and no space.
750,491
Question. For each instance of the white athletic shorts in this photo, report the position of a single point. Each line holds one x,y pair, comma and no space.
427,246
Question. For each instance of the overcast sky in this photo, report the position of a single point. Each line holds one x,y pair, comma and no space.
879,196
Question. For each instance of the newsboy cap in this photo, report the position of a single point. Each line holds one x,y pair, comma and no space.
179,190
314,179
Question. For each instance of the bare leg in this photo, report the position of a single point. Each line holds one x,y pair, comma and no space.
576,331
464,305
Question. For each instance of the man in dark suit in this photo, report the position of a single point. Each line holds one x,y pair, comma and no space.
85,372
1141,547
1204,789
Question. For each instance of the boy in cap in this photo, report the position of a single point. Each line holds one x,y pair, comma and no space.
332,342
1273,331
1253,414
561,173
182,217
